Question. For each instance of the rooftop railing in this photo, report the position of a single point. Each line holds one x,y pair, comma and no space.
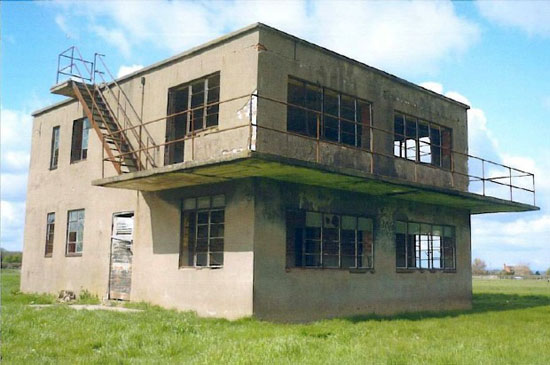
485,177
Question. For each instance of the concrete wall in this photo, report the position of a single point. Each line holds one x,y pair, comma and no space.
300,294
66,188
219,292
284,56
156,277
237,62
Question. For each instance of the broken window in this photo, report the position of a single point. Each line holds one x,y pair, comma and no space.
328,240
191,107
75,232
421,141
54,155
424,246
315,111
79,143
50,227
202,241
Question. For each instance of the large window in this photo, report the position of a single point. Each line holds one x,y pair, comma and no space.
203,231
424,246
54,155
75,232
322,113
197,107
79,143
421,141
50,227
328,240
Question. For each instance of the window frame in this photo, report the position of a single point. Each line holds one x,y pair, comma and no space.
69,242
191,207
417,258
174,151
362,129
54,150
50,235
80,139
402,150
291,259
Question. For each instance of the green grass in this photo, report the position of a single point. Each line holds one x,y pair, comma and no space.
509,323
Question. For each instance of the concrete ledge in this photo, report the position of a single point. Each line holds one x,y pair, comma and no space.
245,164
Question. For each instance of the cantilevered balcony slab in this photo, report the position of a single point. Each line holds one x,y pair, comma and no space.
254,164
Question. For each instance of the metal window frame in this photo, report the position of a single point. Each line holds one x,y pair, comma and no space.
75,253
429,249
56,133
338,117
197,210
321,241
50,229
431,125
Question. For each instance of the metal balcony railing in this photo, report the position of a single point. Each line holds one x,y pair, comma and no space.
485,177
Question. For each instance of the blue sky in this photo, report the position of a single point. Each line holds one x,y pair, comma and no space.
493,55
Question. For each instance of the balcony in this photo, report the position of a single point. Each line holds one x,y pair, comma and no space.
252,148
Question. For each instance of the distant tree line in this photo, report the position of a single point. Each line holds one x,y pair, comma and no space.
11,259
479,267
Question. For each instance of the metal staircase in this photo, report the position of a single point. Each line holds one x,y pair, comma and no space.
117,142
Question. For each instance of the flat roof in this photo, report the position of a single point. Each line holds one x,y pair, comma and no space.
243,31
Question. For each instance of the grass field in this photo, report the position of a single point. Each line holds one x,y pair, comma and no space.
509,324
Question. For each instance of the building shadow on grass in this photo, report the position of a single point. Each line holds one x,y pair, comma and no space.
481,303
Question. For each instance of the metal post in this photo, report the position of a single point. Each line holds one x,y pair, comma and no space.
511,188
533,178
250,124
318,138
103,157
192,137
483,174
72,59
139,153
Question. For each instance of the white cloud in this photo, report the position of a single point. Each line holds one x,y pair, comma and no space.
436,87
15,138
126,70
15,133
396,36
532,17
12,218
506,238
13,186
116,37
61,22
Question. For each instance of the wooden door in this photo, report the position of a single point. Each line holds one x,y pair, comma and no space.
120,278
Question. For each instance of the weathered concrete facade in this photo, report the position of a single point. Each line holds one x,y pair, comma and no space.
262,172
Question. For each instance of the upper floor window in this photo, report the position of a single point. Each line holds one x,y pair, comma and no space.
203,222
328,240
50,227
424,246
197,107
421,141
79,143
54,155
323,113
75,232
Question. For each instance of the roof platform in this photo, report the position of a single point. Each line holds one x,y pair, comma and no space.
254,164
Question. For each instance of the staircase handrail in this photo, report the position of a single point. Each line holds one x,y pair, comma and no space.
99,56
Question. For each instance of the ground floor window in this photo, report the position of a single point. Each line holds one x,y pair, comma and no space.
425,246
202,240
75,232
317,239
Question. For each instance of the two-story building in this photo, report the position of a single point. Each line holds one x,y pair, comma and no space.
255,175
